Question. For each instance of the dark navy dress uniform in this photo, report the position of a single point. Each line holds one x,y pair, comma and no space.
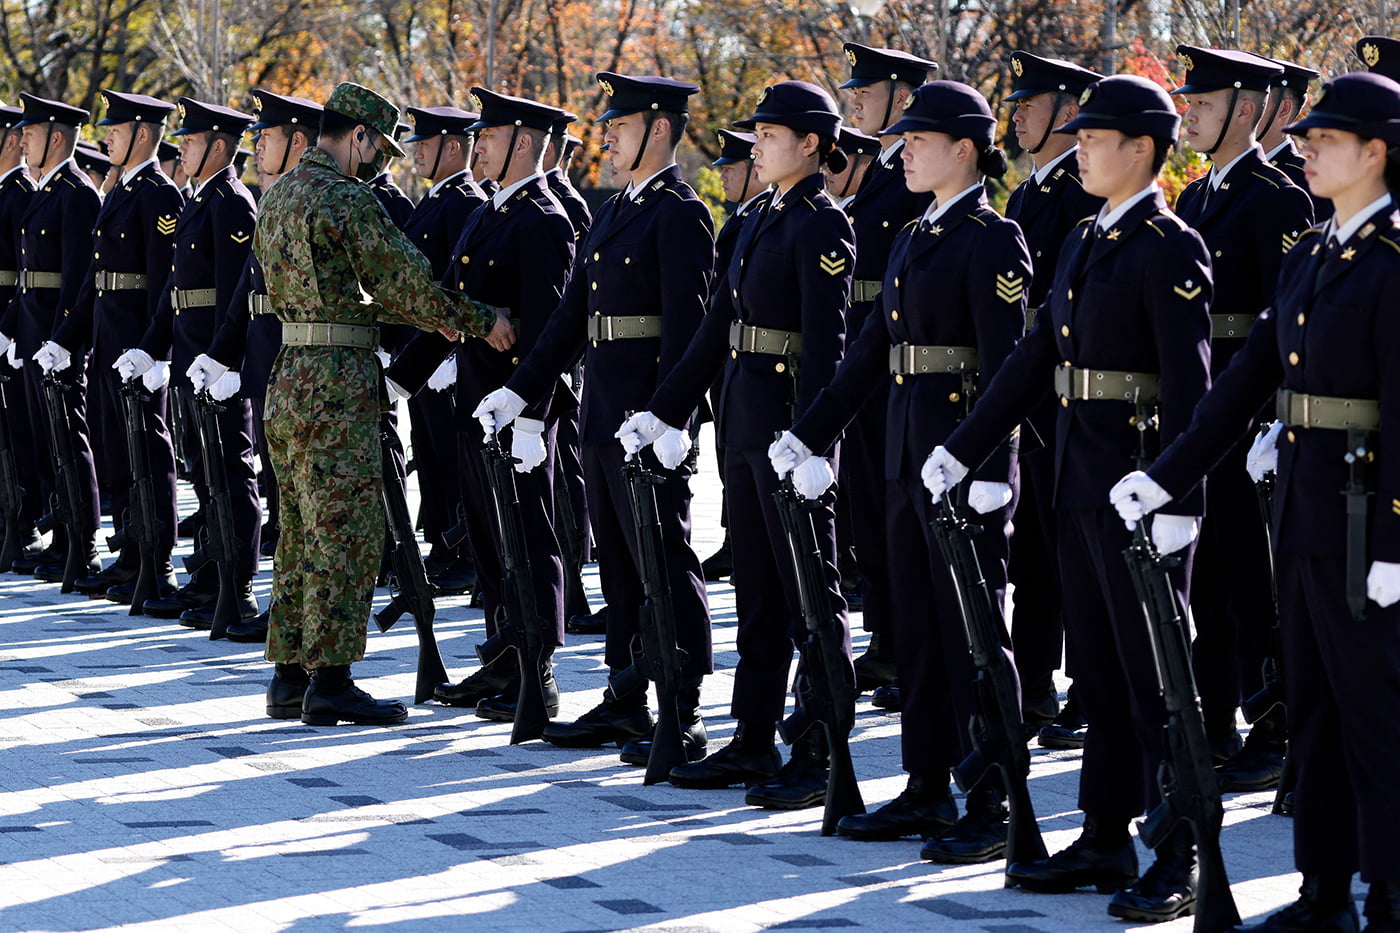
882,205
55,238
791,271
1133,298
573,203
1248,221
213,241
133,244
16,190
391,197
514,255
646,255
1331,332
1285,157
961,282
1047,207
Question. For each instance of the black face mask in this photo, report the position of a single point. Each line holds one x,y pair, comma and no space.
368,170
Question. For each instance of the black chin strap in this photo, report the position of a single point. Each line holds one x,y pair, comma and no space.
1261,128
202,159
130,142
44,157
647,122
1229,118
1050,126
748,176
510,154
437,159
286,154
889,106
855,164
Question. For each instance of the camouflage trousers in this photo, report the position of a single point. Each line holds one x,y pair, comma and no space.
330,482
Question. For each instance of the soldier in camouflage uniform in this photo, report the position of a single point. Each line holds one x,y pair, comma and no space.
324,242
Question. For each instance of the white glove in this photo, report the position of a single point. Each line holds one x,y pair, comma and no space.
445,376
497,410
12,356
1263,453
787,453
527,444
1383,583
5,343
941,472
671,448
157,377
812,477
205,371
1135,495
397,393
1171,533
133,363
640,430
382,355
226,387
52,358
984,496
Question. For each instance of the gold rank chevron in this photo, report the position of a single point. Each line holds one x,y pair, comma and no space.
833,265
165,225
1187,293
1010,289
1288,242
239,237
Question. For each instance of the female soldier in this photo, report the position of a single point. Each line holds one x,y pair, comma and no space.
951,308
1330,346
779,311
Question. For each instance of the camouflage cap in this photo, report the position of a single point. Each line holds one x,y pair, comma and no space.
362,105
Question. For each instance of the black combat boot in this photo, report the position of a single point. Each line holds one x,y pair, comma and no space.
720,564
55,572
501,708
693,737
924,808
123,570
1167,889
489,680
1383,907
980,836
250,632
333,698
800,783
619,719
875,668
286,691
595,624
1259,765
1324,905
887,697
749,757
1068,728
202,617
1102,857
202,586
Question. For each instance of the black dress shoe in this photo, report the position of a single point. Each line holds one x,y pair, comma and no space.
924,808
1066,730
616,720
455,580
1167,889
252,632
1108,865
1039,711
980,836
745,760
799,784
875,668
501,708
286,691
595,624
201,588
488,681
1324,905
333,698
123,593
887,697
99,583
694,741
202,617
1259,765
719,565
55,572
27,562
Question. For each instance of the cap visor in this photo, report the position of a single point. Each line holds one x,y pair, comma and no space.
613,113
1321,121
859,82
391,145
726,160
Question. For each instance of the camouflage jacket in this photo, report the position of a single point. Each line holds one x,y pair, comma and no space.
329,253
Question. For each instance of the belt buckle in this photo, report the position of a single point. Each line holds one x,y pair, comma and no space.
1307,409
605,325
1079,375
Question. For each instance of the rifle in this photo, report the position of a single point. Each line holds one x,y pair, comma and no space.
570,544
220,543
142,526
179,436
1357,496
662,656
998,733
518,622
1187,780
409,589
11,493
831,701
69,497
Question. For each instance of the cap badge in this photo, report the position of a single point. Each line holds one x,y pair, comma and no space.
851,57
606,85
1016,67
908,102
764,96
1370,54
1084,98
257,104
181,109
476,103
413,118
1186,60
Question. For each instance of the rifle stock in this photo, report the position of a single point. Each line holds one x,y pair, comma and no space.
142,526
69,510
220,544
11,493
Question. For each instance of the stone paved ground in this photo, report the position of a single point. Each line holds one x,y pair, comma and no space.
141,788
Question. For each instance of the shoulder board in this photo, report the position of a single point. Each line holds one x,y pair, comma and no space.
1389,242
680,195
1087,220
977,218
68,181
1168,222
912,223
1267,179
1075,178
1311,231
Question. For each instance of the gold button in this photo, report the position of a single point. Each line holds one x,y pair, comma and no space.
96,255
99,233
1293,357
1070,294
954,397
1037,254
885,224
898,379
781,367
1301,318
466,259
896,281
595,286
894,315
1064,330
597,256
1217,254
492,262
595,343
627,261
515,361
1064,402
735,292
734,354
1290,437
461,284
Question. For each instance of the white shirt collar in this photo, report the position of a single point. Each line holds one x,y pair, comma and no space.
1348,229
635,189
131,173
500,197
439,186
844,202
936,210
1107,220
1273,153
744,208
887,154
48,176
1218,172
1043,172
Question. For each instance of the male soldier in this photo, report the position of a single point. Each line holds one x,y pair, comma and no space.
650,252
94,163
324,243
861,150
174,169
250,336
1288,93
134,235
556,155
55,246
1249,215
1123,336
16,191
1047,205
881,81
515,252
212,239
